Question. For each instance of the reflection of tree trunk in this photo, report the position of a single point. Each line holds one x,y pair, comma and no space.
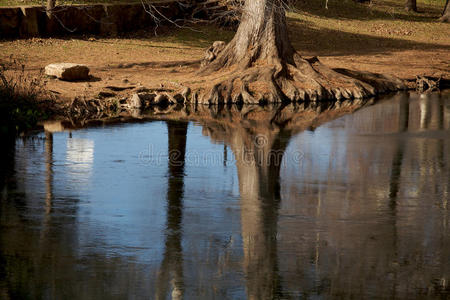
258,138
172,265
394,182
258,172
49,171
425,113
48,184
440,124
46,222
225,155
398,156
395,176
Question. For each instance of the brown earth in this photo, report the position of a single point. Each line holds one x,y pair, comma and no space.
394,46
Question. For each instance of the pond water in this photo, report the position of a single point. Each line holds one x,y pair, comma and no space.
343,201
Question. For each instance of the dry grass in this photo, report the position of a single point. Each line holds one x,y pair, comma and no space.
23,97
382,19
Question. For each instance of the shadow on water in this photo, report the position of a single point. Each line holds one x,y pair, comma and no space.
7,152
344,199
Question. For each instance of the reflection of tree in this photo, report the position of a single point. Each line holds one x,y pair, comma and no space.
258,139
399,153
172,264
49,171
47,219
258,160
394,182
259,134
258,155
441,126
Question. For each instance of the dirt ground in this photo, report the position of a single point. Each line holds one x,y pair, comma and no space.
377,41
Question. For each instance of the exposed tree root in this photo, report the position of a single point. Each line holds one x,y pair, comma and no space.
446,13
259,66
445,18
300,80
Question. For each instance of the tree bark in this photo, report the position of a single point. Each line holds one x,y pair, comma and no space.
262,35
49,7
446,14
260,65
411,5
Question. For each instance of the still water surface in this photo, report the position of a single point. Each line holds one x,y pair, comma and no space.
329,201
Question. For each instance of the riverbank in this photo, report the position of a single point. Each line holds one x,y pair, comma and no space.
379,38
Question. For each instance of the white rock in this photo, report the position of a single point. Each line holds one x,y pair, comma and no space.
68,71
135,101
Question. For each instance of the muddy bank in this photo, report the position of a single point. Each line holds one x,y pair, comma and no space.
134,100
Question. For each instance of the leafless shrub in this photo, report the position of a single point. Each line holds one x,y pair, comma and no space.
15,83
23,97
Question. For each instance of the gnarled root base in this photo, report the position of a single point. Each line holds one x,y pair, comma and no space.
302,80
445,18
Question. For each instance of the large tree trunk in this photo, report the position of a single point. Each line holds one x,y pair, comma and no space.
260,65
446,14
411,5
262,35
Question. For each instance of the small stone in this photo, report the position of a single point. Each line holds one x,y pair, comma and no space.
68,71
135,101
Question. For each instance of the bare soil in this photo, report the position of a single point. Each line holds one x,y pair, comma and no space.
380,38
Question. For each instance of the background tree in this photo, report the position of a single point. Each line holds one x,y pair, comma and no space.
49,7
411,5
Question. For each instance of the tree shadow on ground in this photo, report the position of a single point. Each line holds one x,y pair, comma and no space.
305,36
381,10
188,36
309,39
